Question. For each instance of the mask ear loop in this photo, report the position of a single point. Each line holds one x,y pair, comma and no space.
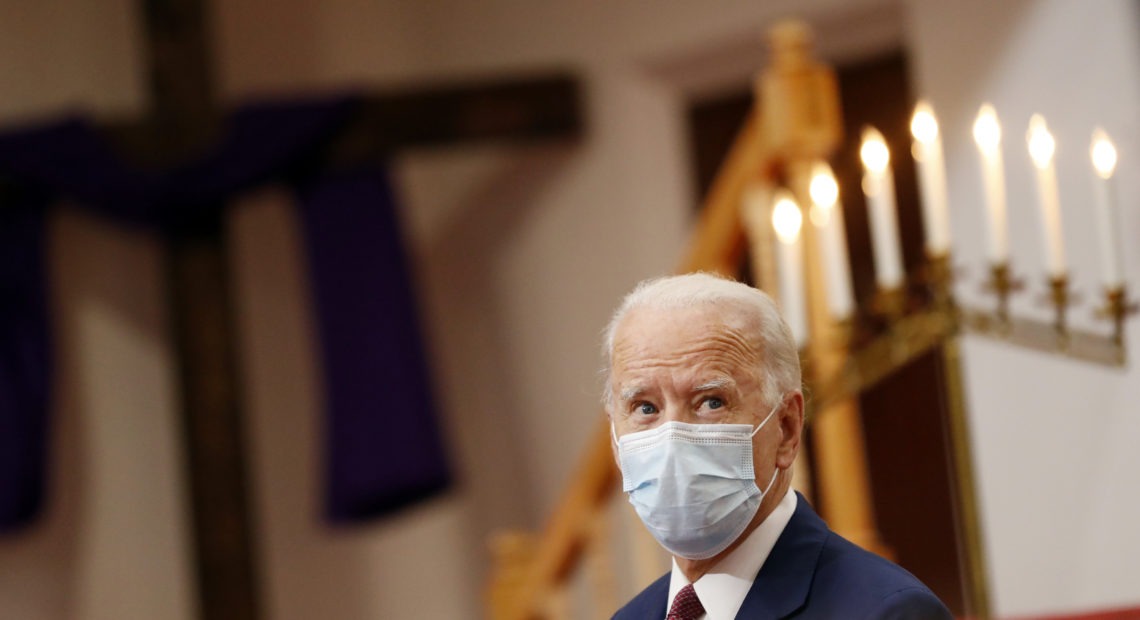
757,430
770,482
613,436
776,472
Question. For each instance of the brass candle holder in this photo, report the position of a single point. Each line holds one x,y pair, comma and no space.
889,304
1003,284
1059,297
1117,308
938,276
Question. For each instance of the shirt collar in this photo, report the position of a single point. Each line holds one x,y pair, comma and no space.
723,589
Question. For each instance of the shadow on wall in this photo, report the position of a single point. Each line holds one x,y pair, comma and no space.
107,319
469,333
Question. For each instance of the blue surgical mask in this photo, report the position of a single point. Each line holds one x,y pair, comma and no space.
693,485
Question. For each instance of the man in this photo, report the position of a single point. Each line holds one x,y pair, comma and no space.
703,394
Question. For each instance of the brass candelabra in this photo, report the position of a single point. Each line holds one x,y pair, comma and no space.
911,329
1056,337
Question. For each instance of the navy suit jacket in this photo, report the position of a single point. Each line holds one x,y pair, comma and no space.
813,573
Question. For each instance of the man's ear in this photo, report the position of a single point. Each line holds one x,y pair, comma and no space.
791,418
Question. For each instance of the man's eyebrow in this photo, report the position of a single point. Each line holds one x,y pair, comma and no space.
633,392
714,384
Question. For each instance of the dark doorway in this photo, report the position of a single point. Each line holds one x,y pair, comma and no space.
905,416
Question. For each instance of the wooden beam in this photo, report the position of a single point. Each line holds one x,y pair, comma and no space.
509,110
503,110
182,121
214,442
183,111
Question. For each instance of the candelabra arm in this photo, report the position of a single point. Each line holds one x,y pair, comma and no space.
1117,308
939,278
1003,284
1059,296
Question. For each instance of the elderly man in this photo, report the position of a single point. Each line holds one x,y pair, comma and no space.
703,394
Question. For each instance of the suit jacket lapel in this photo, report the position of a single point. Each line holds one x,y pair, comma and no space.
782,585
649,604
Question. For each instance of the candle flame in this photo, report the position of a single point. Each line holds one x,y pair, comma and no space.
824,192
1041,143
923,125
1103,154
987,130
786,217
874,152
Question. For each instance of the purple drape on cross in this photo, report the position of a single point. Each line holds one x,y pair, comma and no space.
382,446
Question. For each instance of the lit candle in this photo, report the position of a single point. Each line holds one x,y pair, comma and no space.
932,179
827,216
879,186
987,135
1104,164
1041,149
787,220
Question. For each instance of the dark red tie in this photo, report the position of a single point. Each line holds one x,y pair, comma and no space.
686,605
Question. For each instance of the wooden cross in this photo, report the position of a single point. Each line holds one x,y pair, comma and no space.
183,121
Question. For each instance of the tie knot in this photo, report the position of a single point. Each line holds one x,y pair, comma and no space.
686,605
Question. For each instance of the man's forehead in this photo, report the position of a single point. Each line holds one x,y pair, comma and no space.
665,328
691,351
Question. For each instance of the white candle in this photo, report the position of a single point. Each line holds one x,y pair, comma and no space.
932,179
787,220
879,186
987,135
827,216
1103,155
1041,149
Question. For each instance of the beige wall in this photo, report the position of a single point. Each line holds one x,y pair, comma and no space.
63,54
520,254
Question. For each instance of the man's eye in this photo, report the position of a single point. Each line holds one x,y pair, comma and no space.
714,403
646,409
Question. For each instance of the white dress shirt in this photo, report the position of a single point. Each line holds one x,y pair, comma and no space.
722,590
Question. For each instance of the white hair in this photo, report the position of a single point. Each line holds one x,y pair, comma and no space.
779,362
